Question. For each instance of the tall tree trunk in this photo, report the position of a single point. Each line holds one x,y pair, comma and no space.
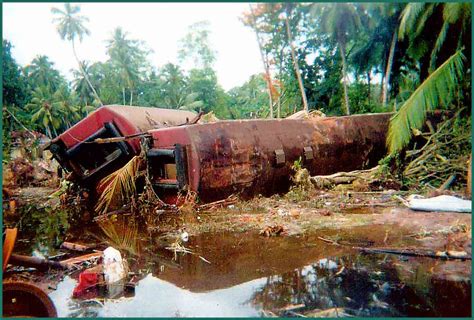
131,97
280,92
264,61
48,133
368,86
296,65
81,69
388,71
123,95
342,50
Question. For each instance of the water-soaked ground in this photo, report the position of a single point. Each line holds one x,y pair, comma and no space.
249,275
234,271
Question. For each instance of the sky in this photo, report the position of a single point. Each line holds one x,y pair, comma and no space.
30,29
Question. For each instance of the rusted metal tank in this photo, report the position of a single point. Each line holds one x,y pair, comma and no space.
90,162
253,157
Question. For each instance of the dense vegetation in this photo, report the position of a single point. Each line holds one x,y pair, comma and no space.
340,58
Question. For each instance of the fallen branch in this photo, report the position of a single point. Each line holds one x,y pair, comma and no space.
106,215
406,251
324,181
193,120
414,253
225,202
119,139
329,241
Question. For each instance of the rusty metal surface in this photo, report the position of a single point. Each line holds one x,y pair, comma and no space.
76,152
26,300
128,119
253,157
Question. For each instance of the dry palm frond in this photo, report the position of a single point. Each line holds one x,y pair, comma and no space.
437,89
445,154
188,202
119,186
121,235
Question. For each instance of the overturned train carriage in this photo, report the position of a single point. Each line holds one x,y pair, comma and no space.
89,162
251,157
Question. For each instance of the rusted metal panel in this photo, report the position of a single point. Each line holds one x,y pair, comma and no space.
128,120
246,156
90,162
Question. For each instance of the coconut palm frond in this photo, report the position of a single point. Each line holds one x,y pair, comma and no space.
438,44
123,236
119,186
437,89
408,18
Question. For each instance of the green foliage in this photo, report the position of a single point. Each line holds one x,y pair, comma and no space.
14,82
41,72
196,47
47,224
429,34
438,89
70,24
203,83
128,57
249,100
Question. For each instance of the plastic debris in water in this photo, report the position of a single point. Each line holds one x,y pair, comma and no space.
440,203
114,269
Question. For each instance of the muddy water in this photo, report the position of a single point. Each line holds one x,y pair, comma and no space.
249,275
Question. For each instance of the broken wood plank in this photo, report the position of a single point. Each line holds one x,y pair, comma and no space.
81,259
74,246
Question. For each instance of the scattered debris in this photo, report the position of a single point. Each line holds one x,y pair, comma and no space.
37,262
75,246
88,259
88,281
114,268
272,231
440,203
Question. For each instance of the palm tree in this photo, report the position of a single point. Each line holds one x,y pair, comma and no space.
45,112
440,85
127,56
41,73
189,102
68,103
80,85
437,89
71,27
420,23
340,20
295,60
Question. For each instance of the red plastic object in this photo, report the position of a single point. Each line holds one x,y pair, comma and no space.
87,287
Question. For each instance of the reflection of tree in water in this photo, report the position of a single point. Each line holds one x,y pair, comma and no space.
317,287
365,287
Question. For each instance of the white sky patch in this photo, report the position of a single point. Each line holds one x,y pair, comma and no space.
30,29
